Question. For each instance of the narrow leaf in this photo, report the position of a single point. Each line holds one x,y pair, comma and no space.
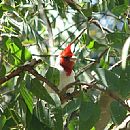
2,121
26,96
58,123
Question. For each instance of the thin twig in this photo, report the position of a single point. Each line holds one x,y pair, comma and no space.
78,24
114,96
78,36
65,98
118,63
40,77
45,55
74,39
83,69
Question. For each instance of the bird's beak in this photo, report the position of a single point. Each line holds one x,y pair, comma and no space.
73,58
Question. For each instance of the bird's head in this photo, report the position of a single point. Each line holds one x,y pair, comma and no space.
67,59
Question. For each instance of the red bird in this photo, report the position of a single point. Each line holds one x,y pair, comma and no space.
65,63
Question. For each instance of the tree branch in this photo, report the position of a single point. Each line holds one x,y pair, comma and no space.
89,86
118,63
40,77
30,68
18,71
65,97
114,96
78,36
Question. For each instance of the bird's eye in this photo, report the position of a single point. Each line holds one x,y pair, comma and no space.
66,57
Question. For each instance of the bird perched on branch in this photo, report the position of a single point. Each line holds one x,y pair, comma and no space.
65,63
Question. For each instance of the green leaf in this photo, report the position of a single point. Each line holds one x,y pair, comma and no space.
124,88
7,7
84,38
20,53
91,44
58,123
71,106
2,70
35,124
103,63
40,92
124,80
43,114
2,121
61,7
26,96
1,12
89,114
108,79
87,11
28,118
73,123
8,124
119,9
117,39
53,75
27,42
118,112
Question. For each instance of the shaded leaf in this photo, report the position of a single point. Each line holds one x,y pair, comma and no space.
117,39
9,123
71,106
58,123
40,92
118,112
60,7
35,124
1,12
89,114
43,114
2,70
108,79
53,75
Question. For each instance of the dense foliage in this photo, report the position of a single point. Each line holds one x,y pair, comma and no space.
38,29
